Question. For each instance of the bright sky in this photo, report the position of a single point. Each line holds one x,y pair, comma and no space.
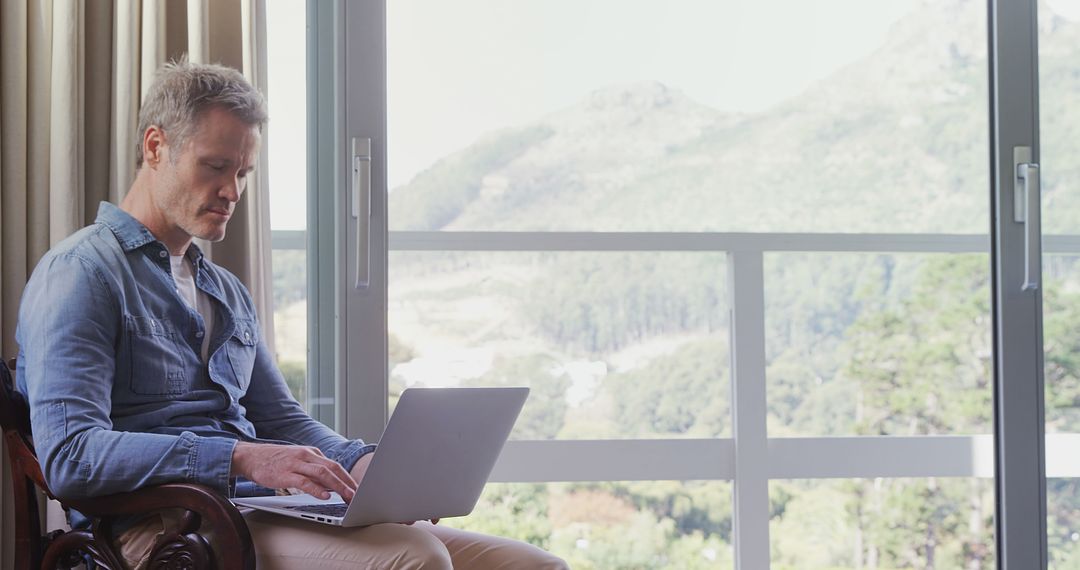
459,69
484,64
286,53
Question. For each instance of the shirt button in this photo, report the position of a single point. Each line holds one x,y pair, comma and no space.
247,336
163,253
199,334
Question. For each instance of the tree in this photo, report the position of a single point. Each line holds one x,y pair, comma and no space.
923,368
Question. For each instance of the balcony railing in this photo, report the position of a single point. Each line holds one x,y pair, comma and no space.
750,456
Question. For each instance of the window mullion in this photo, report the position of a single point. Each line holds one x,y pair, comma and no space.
751,506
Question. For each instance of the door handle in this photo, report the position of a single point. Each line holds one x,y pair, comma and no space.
361,209
1028,211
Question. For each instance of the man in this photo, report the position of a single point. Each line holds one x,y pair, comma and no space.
143,363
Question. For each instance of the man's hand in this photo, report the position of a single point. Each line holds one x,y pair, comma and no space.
282,466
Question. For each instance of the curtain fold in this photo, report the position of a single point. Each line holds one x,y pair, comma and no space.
98,90
72,76
126,96
66,189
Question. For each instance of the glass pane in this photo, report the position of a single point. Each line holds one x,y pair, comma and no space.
1061,342
887,524
878,344
689,115
1061,370
617,525
1063,524
1059,88
610,343
290,318
286,140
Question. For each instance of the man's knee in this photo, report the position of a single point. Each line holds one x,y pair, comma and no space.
429,559
423,552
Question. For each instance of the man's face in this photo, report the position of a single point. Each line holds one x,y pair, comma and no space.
199,185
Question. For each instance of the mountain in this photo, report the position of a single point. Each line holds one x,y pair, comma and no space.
895,142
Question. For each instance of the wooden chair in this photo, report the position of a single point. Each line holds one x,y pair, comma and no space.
183,549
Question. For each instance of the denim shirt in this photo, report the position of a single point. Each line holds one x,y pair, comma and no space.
109,357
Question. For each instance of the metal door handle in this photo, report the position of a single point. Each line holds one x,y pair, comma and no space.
361,209
1028,211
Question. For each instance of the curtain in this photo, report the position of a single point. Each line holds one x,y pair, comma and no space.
72,74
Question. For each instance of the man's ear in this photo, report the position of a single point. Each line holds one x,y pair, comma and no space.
153,146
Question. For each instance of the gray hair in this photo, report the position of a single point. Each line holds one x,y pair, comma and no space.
182,91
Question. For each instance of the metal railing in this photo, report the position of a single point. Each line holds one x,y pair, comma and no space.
750,456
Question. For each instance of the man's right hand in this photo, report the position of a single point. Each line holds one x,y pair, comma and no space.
283,466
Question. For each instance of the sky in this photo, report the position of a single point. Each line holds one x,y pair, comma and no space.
487,64
459,69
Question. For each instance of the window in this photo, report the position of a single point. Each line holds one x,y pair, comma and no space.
286,142
740,252
1059,47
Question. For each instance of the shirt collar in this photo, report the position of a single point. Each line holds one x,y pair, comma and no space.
132,234
129,232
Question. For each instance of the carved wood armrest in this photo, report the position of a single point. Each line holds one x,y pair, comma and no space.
232,540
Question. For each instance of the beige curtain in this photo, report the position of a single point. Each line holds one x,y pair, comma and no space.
72,74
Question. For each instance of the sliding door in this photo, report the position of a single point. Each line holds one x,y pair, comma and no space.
1059,159
751,258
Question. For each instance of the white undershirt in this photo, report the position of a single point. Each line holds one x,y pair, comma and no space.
196,299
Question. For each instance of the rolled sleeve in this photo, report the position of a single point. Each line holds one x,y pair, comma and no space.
351,453
211,461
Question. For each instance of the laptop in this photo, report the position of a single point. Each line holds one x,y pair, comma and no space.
434,458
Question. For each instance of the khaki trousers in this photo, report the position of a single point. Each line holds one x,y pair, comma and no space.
287,543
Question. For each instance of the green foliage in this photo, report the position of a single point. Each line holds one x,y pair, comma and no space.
885,523
398,351
924,367
289,270
695,506
597,303
684,393
1061,345
594,526
545,410
916,364
811,301
438,195
1063,523
514,511
604,528
811,526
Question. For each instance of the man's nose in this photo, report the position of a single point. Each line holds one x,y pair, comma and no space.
232,192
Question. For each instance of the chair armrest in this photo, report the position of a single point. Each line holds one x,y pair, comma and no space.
231,536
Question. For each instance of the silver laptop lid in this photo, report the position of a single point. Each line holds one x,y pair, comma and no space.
436,453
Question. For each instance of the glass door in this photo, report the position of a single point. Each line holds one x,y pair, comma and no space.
742,253
1059,88
607,201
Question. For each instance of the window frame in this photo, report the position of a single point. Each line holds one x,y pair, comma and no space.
347,98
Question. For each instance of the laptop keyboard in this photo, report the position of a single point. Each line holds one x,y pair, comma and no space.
334,509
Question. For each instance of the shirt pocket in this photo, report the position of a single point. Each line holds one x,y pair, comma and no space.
157,367
242,347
